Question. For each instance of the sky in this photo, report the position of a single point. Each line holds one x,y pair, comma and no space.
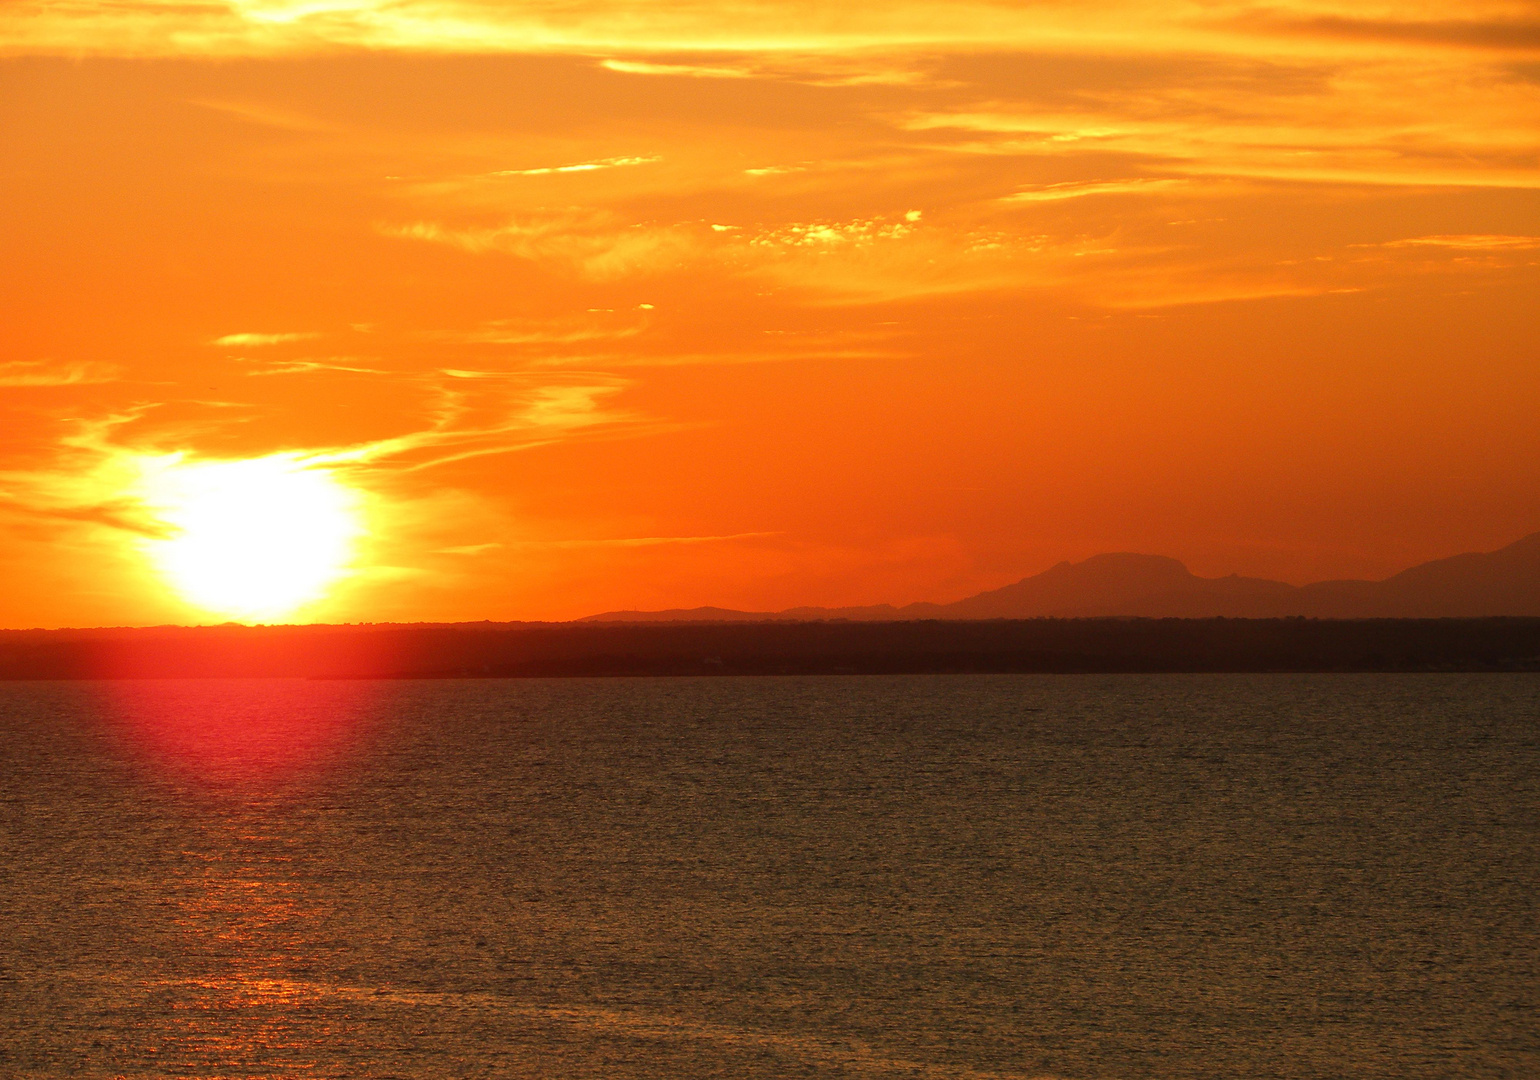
353,310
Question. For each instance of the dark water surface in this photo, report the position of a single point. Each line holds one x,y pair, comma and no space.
1105,878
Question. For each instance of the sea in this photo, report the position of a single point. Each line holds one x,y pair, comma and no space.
1185,877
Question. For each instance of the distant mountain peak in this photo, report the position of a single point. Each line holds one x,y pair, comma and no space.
1126,583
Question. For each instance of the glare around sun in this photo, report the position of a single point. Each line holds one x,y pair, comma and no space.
250,540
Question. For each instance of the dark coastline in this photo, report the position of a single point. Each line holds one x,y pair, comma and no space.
546,650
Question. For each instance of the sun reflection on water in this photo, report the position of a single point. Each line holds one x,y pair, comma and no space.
252,768
253,738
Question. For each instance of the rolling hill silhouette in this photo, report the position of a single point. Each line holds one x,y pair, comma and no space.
1473,585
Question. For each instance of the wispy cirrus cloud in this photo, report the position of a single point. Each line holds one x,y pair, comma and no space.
543,333
694,71
579,167
51,373
1470,242
125,515
1080,189
344,364
1482,140
257,340
90,481
642,541
902,256
726,358
603,249
507,412
822,71
593,243
19,373
837,234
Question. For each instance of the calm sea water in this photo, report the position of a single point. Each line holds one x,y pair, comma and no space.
1105,878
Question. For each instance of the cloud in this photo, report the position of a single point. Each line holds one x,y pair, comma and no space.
695,71
608,542
812,70
20,373
257,340
123,514
1055,192
468,549
1390,126
1471,242
582,166
599,326
644,541
307,367
592,243
92,481
836,234
775,170
898,256
733,358
481,413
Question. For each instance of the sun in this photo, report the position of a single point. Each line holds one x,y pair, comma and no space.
250,540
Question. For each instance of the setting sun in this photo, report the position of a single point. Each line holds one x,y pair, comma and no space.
255,539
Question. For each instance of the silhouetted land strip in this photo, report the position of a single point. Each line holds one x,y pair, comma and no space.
533,650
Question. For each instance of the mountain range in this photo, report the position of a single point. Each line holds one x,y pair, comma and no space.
1503,582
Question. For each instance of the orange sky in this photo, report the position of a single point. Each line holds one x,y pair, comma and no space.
592,306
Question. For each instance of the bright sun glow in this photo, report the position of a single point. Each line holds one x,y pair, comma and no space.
251,540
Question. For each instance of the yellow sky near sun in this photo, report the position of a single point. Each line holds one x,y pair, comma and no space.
601,306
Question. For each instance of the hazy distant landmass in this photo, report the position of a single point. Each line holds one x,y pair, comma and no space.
1474,585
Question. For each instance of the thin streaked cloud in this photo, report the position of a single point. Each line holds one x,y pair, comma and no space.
1072,190
1482,140
21,373
256,340
591,243
645,541
1471,242
344,364
579,167
695,71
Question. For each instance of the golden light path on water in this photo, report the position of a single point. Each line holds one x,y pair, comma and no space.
252,539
